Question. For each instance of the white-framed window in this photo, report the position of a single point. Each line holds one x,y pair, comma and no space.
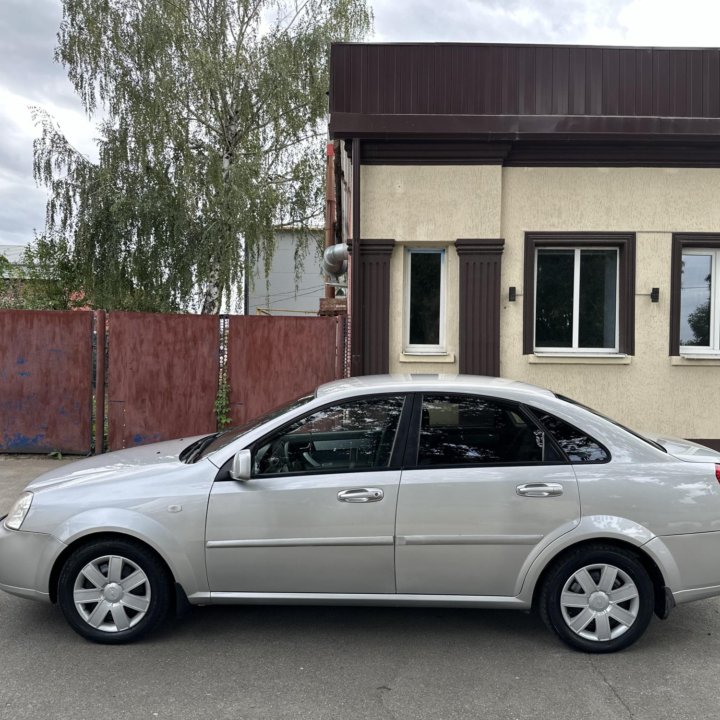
576,299
699,301
424,305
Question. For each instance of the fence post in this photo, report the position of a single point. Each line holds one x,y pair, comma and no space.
99,381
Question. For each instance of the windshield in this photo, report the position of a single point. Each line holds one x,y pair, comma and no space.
220,440
636,434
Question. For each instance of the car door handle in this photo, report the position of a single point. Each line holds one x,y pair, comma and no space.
540,490
361,495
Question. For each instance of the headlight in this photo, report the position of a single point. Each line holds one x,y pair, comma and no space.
18,511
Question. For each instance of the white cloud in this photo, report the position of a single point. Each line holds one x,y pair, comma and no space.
691,23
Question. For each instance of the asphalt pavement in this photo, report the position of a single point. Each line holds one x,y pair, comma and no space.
272,663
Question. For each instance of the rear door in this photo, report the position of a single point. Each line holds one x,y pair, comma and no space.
482,486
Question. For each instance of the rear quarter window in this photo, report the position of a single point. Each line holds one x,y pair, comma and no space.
576,444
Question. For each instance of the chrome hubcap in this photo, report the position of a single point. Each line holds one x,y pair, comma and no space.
599,602
112,593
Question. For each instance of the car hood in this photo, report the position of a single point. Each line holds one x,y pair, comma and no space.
112,465
685,449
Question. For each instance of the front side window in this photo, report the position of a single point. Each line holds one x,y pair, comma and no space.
470,430
424,300
579,293
355,435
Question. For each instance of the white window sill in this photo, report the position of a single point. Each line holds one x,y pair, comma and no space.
578,359
427,357
697,360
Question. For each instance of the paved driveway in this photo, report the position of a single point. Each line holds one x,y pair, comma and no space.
347,663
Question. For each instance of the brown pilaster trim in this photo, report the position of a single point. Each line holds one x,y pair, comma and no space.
480,266
679,242
376,247
479,246
374,256
356,299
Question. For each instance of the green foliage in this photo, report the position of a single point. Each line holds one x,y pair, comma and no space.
222,402
213,136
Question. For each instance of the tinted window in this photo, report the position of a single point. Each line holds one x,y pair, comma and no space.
354,435
577,445
468,430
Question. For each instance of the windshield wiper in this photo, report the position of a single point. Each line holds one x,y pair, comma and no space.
192,452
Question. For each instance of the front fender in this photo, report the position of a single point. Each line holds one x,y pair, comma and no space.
183,553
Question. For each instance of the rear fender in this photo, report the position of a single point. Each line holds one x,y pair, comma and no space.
599,528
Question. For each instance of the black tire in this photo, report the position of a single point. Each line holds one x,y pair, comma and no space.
603,621
123,591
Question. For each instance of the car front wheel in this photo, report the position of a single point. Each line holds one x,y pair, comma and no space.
598,599
114,591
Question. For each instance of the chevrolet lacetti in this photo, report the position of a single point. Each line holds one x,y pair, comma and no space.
390,490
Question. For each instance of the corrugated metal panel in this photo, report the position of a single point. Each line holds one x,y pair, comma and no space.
272,360
163,377
524,79
45,381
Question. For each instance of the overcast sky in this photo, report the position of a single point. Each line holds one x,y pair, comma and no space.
29,76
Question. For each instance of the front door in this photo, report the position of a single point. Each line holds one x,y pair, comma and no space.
485,488
318,515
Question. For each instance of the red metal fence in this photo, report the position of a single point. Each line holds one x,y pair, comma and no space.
46,363
162,378
272,362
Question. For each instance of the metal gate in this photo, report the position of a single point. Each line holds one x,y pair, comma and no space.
46,381
163,377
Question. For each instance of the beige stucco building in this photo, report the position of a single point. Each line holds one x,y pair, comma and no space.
548,214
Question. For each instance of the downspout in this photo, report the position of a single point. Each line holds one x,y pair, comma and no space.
329,214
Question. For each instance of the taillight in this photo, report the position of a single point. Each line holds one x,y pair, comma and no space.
717,472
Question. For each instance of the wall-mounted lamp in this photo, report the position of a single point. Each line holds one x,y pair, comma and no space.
512,294
655,294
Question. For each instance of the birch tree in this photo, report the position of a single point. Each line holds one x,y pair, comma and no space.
212,136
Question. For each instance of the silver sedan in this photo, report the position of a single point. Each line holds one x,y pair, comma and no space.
390,490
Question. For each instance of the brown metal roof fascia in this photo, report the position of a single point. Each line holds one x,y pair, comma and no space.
509,79
512,127
660,152
480,291
439,152
679,242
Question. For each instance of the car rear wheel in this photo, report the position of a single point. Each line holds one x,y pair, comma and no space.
114,591
598,599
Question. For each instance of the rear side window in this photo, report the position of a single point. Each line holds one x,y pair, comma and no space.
577,445
471,430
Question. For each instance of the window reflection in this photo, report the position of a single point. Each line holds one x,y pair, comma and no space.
348,436
466,430
579,447
695,293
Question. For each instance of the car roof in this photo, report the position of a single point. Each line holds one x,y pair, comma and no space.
367,384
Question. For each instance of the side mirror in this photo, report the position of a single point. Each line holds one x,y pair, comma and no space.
241,468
